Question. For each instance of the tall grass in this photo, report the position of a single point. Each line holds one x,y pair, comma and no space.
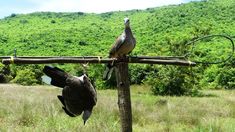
36,108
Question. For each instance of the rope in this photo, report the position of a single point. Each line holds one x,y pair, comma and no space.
99,60
12,60
212,36
84,67
190,63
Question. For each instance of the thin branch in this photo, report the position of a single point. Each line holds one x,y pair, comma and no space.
160,57
43,57
33,60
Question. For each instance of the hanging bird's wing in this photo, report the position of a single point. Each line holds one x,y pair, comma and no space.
90,92
58,76
61,99
90,98
73,95
64,106
67,112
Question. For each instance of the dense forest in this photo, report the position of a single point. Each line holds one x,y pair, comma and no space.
162,31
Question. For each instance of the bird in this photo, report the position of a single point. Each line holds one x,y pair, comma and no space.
123,45
78,94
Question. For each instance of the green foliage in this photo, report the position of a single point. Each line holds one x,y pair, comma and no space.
171,80
138,73
210,78
5,73
27,75
226,78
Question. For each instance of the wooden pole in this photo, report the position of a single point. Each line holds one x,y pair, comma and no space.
44,57
86,57
17,60
124,98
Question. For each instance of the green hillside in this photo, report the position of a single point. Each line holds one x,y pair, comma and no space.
159,31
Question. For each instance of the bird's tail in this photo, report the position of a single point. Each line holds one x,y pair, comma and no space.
58,76
108,71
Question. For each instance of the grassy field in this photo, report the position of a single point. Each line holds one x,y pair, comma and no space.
36,108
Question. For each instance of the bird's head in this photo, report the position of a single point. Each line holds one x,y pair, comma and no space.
127,22
86,115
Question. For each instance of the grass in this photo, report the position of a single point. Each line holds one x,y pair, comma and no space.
36,108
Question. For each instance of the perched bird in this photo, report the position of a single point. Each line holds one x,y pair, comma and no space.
123,45
78,94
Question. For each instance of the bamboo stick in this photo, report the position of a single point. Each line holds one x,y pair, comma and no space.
18,60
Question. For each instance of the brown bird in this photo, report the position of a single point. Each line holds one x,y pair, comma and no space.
123,45
78,94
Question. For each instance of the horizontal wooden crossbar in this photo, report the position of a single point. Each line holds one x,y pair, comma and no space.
166,60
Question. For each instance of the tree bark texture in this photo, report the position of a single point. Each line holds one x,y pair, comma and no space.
124,98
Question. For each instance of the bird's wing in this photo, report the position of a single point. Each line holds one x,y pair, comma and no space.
57,76
73,89
61,99
74,102
68,113
117,44
134,42
91,91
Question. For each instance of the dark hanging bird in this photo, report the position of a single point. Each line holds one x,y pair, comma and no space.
78,94
123,45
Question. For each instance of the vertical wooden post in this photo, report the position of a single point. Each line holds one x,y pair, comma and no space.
124,99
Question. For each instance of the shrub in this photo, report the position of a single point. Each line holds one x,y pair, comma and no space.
210,77
53,21
25,77
171,80
5,73
139,72
24,21
96,73
13,15
226,78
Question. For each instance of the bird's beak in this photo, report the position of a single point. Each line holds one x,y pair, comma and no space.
84,122
86,115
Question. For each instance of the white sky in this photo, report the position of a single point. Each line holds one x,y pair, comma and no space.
99,6
8,7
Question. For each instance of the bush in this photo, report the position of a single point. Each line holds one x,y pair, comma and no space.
53,21
96,73
139,72
13,15
226,78
27,74
210,77
5,73
171,80
25,77
24,21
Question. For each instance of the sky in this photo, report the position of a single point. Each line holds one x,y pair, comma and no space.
7,7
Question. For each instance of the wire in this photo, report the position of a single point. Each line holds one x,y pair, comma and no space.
212,36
